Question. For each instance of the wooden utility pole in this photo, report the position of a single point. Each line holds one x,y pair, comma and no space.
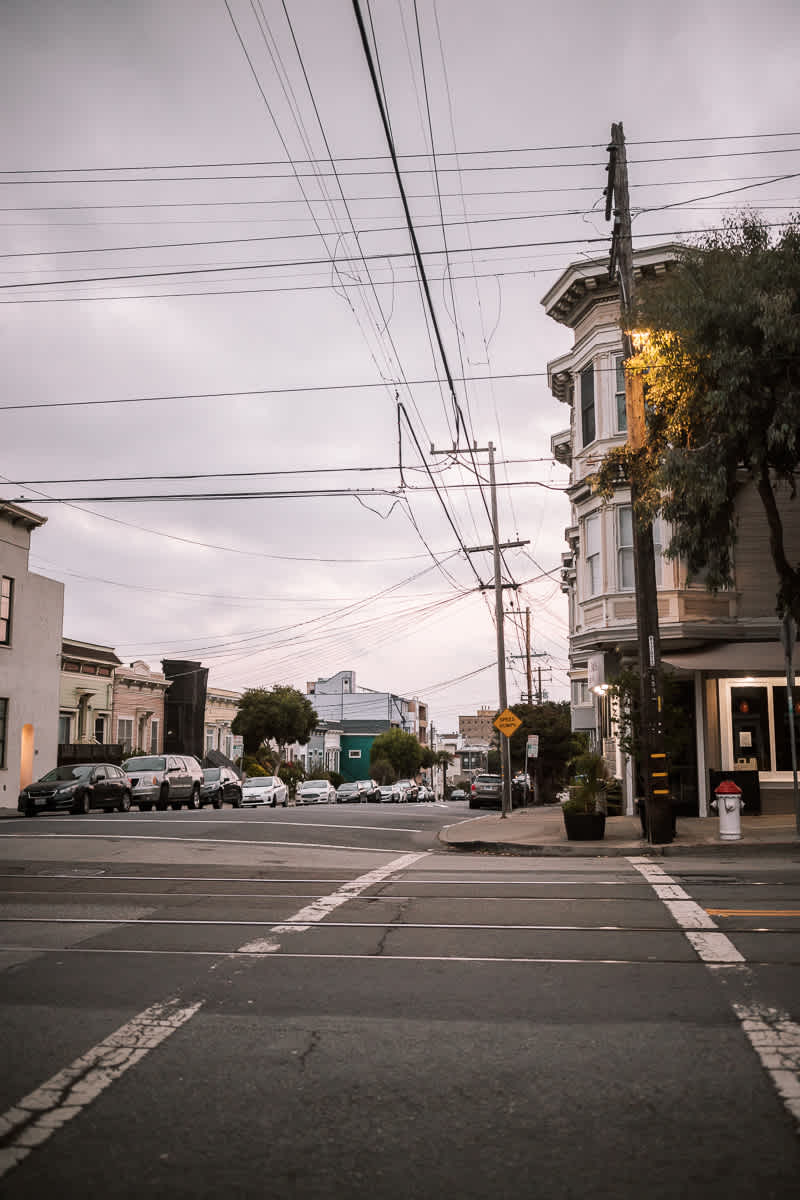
496,546
528,654
653,760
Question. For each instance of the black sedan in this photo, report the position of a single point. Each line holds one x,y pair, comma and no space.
220,784
77,788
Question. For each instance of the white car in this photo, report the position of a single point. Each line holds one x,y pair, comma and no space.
265,789
315,791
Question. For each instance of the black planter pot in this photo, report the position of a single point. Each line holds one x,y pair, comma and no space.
585,827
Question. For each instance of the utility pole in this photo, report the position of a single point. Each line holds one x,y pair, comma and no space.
528,657
653,758
505,743
496,546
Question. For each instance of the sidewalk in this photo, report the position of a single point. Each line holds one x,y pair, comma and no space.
540,831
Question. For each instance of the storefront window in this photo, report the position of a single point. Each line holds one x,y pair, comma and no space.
750,722
783,748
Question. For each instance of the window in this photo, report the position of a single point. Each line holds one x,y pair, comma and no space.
622,414
3,728
228,745
99,729
588,432
354,754
592,529
64,726
125,733
6,598
209,737
154,736
580,692
625,570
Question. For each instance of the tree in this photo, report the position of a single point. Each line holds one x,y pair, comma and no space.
401,749
721,355
557,743
443,759
282,715
382,771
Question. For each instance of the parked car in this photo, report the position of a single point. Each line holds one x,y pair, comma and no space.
487,790
265,789
408,788
458,794
315,791
425,793
220,784
163,780
389,793
368,789
347,793
77,788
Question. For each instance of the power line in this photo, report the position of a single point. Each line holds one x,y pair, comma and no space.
551,166
315,262
382,157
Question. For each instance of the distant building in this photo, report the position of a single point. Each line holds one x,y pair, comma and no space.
139,707
221,708
86,693
31,617
480,727
185,707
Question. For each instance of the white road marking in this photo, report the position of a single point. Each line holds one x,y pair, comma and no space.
776,1040
262,843
772,1033
197,818
716,948
316,912
38,1115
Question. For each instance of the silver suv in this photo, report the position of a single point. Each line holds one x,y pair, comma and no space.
159,780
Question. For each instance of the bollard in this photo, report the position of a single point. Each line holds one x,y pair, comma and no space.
728,803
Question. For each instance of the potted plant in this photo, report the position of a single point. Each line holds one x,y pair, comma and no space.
585,810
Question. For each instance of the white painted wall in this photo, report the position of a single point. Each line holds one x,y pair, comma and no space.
30,667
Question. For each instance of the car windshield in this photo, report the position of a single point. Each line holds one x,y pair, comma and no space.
153,763
349,787
258,781
311,786
66,773
210,774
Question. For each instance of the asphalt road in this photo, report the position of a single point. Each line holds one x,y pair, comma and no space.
316,1002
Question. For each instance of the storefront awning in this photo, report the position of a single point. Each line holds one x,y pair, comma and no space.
746,658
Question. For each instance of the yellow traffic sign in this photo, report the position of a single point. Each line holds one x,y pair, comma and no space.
507,722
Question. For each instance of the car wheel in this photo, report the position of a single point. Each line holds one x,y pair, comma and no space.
237,799
218,799
29,809
125,802
163,798
175,805
81,805
194,799
145,807
274,802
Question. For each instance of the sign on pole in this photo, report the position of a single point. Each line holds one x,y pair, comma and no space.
507,722
532,748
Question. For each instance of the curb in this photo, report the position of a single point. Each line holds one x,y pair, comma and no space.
599,850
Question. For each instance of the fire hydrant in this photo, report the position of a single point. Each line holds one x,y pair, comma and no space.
728,803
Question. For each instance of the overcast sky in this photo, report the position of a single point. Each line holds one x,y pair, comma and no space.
172,157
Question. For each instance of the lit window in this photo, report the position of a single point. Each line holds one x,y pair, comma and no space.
6,597
622,414
592,530
588,432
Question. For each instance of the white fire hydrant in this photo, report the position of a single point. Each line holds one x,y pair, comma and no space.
728,803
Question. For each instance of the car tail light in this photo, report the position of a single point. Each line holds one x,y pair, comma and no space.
474,789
